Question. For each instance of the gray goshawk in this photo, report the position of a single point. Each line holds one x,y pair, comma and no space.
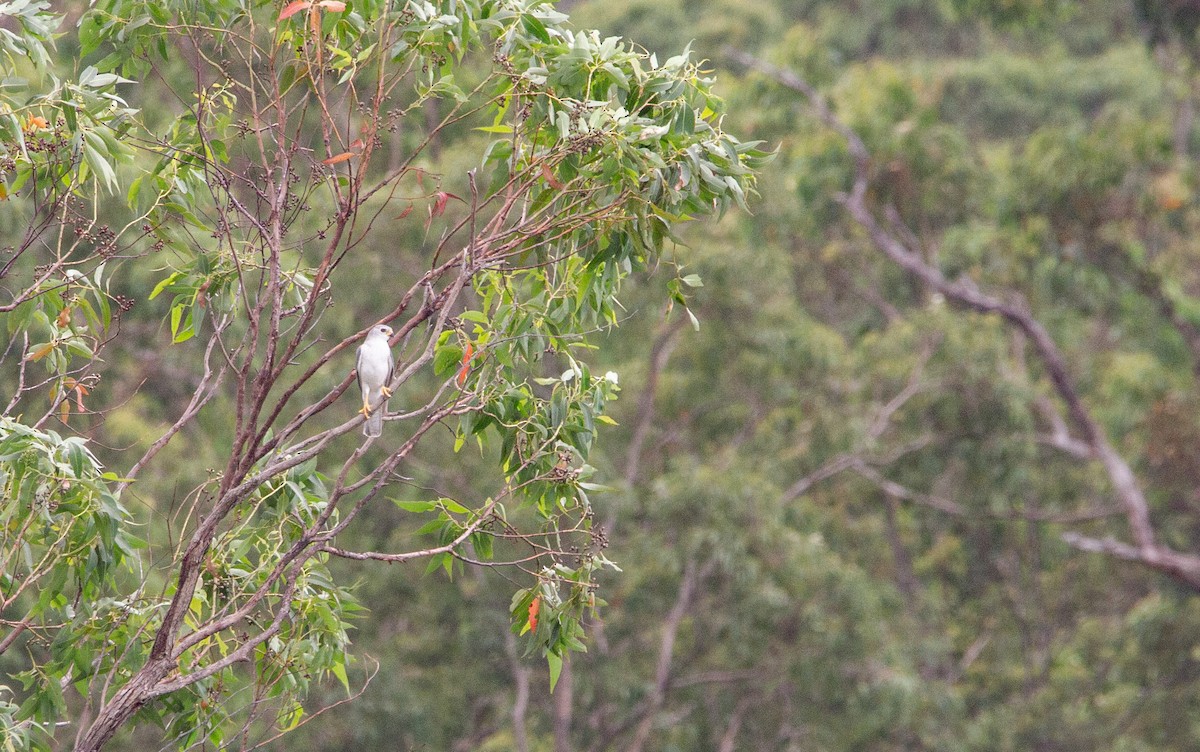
375,366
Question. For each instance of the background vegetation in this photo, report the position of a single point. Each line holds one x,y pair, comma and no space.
925,475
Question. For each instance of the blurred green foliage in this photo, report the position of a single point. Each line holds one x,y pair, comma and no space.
921,599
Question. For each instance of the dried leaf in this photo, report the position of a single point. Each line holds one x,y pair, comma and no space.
334,5
407,210
41,352
338,158
64,318
550,178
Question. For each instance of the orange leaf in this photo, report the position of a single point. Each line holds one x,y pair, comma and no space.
293,8
64,410
36,123
466,365
64,318
79,397
334,5
339,158
41,352
534,607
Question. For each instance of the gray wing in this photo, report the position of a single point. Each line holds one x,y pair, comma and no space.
358,369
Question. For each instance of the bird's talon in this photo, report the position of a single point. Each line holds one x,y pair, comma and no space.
385,391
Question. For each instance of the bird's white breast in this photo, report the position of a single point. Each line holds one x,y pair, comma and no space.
373,363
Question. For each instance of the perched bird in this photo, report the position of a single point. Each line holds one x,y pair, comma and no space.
375,367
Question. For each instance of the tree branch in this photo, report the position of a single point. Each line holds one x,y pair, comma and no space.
896,242
692,577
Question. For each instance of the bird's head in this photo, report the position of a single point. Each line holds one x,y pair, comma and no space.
381,329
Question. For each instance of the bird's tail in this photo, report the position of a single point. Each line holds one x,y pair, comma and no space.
374,425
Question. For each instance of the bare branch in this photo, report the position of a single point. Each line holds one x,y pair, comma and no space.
896,242
692,577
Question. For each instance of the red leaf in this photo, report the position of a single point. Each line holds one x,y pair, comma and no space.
439,203
407,210
356,144
338,158
293,8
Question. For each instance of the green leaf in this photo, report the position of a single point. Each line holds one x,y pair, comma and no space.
430,527
76,458
100,166
446,359
450,505
163,285
534,26
176,316
415,506
339,670
555,662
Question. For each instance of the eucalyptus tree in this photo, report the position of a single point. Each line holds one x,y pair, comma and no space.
273,145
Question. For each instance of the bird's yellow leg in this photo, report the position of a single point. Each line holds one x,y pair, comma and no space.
366,408
385,391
